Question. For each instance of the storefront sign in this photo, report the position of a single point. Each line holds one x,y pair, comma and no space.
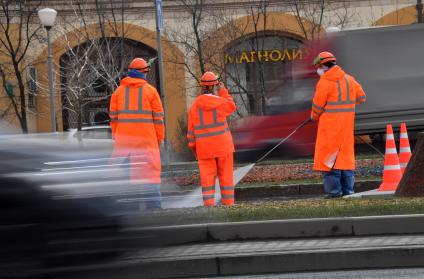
274,55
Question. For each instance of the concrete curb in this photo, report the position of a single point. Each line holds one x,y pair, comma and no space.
306,260
252,192
296,190
298,228
322,260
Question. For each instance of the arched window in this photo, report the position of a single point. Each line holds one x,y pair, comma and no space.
258,68
91,71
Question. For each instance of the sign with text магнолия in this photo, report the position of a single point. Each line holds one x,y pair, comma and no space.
275,55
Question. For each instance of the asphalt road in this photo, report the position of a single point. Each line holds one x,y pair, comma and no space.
406,273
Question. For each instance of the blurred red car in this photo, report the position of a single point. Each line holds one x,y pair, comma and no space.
254,135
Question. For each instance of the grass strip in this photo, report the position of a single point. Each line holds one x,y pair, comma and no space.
287,209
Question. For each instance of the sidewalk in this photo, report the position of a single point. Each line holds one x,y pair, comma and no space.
257,257
266,247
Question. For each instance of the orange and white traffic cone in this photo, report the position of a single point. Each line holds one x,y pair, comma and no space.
404,148
391,173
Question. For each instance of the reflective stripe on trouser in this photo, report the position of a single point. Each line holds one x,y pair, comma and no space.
208,193
209,170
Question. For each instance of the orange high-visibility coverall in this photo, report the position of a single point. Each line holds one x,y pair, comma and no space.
137,127
210,139
334,103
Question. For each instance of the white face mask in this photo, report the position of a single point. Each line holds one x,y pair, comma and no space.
320,71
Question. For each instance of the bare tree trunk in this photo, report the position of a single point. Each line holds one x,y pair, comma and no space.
23,118
258,45
100,17
196,19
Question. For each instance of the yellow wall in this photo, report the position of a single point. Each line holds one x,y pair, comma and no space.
402,16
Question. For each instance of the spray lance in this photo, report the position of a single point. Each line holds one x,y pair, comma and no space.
241,172
151,61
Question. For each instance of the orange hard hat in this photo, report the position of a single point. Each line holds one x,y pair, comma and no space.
323,58
209,78
139,64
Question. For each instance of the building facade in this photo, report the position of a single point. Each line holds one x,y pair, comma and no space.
251,44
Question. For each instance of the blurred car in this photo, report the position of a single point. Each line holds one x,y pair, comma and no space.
62,202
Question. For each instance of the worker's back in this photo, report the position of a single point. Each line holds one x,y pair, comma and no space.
136,115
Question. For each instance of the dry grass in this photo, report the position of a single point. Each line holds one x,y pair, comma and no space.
288,209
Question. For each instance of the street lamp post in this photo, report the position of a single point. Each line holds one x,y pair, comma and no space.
159,28
48,17
419,7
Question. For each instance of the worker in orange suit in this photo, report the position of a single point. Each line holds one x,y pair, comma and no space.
138,129
334,102
210,139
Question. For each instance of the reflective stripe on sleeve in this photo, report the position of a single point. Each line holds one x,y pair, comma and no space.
317,107
317,112
361,98
157,114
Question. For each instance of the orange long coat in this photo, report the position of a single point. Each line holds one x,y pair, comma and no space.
334,103
137,125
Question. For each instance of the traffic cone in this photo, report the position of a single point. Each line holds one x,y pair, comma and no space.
404,148
391,173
